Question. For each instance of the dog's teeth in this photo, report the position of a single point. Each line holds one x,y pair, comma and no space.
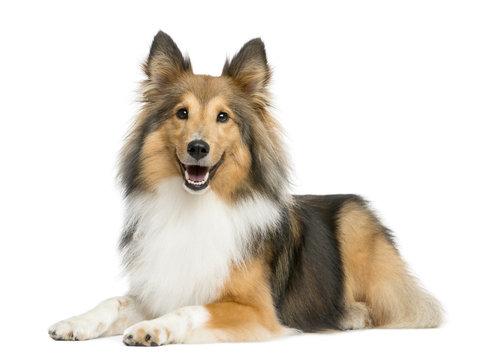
207,175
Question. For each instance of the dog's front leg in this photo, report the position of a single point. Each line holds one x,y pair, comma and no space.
110,317
226,321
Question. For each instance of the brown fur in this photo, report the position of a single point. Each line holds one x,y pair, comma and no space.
328,260
158,161
245,311
205,102
324,263
378,289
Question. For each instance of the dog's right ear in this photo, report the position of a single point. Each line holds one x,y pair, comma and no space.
165,62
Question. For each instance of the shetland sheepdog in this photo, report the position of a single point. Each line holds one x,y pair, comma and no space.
214,245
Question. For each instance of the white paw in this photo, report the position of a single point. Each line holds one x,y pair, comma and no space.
75,328
147,333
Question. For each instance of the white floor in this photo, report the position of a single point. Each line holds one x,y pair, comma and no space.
445,343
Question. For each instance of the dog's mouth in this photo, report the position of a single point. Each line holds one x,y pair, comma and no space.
198,177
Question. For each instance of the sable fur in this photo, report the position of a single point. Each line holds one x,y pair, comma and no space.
306,265
243,259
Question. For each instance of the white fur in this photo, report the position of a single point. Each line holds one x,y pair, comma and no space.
187,325
183,326
196,136
110,317
196,192
184,245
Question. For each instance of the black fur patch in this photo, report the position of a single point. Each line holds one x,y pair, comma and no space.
131,159
307,270
127,235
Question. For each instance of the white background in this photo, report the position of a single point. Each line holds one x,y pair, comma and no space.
393,100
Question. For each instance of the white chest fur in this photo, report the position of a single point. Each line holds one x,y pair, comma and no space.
184,245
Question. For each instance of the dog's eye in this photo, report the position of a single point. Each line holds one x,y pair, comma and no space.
183,114
222,117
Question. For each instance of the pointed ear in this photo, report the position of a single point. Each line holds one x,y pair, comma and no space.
249,68
165,62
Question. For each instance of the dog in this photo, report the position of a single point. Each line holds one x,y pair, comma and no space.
215,247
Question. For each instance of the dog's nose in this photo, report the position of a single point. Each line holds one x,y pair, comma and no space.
198,149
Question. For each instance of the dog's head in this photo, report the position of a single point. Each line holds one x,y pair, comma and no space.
214,132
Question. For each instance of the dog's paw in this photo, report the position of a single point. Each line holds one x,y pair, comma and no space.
147,333
76,328
357,317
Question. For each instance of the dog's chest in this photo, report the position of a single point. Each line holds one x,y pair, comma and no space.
185,245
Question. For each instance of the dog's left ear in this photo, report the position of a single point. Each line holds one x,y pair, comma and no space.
249,68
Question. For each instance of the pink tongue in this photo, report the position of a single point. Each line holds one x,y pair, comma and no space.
197,173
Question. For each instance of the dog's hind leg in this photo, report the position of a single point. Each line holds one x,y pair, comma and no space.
376,275
395,297
110,317
356,317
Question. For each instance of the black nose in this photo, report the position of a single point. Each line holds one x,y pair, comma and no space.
198,149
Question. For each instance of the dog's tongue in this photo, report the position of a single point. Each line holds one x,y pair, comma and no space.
197,173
